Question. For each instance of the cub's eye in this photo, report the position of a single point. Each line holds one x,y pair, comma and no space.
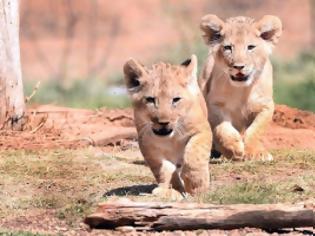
216,36
176,100
150,100
227,48
251,47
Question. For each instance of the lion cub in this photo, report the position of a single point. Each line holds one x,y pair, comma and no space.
237,82
171,120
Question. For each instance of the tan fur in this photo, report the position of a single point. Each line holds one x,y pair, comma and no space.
239,111
178,160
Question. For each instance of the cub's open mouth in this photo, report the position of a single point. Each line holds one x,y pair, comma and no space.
162,131
239,77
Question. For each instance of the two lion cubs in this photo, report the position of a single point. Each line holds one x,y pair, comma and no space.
174,110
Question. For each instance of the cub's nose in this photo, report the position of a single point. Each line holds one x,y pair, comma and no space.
163,123
238,66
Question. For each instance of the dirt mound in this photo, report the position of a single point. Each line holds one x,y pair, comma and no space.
50,127
291,128
59,127
293,118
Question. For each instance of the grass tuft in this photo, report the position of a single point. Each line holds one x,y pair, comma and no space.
20,233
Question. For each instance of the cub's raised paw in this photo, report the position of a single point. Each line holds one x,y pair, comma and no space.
168,193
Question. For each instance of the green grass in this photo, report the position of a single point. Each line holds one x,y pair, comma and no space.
62,180
20,233
263,192
66,185
266,182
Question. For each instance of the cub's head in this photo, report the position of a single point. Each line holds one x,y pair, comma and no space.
241,45
162,95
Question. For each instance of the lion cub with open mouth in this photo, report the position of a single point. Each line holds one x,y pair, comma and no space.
237,82
171,120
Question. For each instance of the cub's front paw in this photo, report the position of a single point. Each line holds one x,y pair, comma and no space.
257,151
237,149
167,193
259,156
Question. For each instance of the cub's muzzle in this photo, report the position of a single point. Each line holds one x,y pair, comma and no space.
162,129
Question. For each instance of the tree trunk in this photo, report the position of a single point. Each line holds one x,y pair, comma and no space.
192,216
12,104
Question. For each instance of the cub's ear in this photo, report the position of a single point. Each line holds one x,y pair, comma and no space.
133,73
212,27
191,66
269,28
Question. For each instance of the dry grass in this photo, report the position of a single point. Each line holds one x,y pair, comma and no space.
65,185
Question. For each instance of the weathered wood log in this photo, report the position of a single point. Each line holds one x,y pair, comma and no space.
192,216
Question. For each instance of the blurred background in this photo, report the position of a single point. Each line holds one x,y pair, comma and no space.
76,48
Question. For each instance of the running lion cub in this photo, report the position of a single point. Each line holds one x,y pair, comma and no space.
237,82
171,120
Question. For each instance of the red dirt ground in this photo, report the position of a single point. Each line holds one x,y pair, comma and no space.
50,127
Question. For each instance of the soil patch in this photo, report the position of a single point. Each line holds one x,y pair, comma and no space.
50,127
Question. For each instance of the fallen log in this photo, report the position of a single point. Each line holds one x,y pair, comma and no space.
110,136
192,216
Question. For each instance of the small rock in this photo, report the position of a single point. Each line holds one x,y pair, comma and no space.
125,228
297,188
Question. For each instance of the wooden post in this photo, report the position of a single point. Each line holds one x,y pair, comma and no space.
192,216
12,104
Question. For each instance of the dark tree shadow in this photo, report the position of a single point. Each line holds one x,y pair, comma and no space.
134,190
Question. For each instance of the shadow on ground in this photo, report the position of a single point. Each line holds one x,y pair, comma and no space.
134,190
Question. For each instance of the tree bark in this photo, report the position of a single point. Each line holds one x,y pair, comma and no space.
12,105
192,216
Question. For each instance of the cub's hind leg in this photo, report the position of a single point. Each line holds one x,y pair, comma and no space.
195,170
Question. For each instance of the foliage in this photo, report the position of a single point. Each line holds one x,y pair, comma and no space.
88,93
294,83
